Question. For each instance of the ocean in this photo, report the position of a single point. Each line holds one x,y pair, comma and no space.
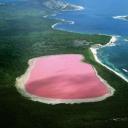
98,18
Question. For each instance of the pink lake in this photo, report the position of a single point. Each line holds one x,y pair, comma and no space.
64,77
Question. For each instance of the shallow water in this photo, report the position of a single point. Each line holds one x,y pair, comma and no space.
97,18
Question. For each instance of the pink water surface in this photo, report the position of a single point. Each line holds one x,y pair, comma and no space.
64,77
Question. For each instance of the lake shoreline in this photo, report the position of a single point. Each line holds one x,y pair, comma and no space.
21,81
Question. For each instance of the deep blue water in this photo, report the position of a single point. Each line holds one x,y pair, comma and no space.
97,18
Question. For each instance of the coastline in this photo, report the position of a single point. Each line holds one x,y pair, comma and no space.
94,51
75,8
112,41
20,85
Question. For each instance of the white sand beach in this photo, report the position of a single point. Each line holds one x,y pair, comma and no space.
94,51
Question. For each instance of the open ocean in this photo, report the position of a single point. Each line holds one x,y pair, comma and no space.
97,18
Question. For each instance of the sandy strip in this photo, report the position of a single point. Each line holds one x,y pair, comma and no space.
62,22
94,51
20,85
112,41
120,18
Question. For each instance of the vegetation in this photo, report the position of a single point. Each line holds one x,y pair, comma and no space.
24,37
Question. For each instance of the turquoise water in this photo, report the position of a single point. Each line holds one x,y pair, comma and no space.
97,18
